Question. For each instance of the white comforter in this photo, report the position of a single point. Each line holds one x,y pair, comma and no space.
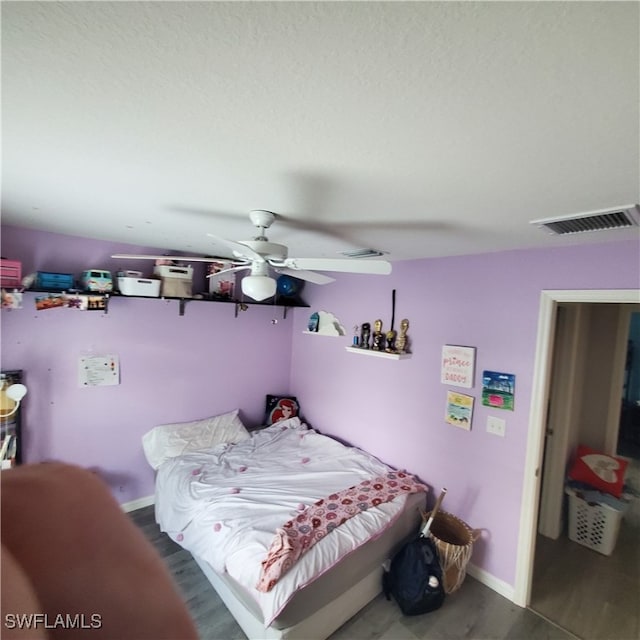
225,504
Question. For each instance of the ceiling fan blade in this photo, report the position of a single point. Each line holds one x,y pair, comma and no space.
303,274
218,273
238,249
379,267
146,256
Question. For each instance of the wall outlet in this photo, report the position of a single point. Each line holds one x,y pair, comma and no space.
496,426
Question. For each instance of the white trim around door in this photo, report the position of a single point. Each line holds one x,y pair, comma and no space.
549,300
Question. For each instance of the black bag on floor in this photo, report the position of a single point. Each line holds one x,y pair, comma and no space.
415,578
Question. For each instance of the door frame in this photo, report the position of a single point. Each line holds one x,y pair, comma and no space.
564,403
530,504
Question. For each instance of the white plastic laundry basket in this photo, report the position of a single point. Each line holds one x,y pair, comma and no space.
593,525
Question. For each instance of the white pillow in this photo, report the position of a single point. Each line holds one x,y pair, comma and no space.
171,440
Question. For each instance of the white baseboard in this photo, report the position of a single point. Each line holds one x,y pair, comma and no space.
138,504
492,582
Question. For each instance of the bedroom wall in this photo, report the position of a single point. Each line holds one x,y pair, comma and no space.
395,409
173,368
181,368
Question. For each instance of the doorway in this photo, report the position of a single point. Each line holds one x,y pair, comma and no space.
581,590
586,395
549,301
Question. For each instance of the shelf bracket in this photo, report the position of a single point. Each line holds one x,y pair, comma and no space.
240,306
182,303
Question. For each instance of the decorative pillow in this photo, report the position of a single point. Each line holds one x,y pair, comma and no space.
599,470
171,440
289,423
281,408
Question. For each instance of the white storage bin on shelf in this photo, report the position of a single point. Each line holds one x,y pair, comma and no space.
592,524
176,281
139,287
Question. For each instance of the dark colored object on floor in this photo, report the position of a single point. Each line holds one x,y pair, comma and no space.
415,578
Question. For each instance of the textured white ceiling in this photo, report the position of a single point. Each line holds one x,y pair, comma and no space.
420,128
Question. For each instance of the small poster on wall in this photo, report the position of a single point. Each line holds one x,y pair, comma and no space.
457,366
459,410
498,389
99,371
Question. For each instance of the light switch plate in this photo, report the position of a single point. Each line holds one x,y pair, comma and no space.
496,426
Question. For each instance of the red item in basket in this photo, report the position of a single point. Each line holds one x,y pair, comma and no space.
600,470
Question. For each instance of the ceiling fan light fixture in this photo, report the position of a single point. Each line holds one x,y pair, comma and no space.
259,287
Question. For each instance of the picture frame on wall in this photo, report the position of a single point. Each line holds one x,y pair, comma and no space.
457,366
498,390
459,411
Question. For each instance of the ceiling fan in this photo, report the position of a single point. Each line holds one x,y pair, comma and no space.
259,255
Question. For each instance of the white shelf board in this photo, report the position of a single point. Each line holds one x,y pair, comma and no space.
319,333
379,354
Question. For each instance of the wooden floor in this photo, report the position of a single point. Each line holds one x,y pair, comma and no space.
596,597
474,612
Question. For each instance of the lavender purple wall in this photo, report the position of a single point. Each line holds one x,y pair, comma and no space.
180,368
173,368
395,409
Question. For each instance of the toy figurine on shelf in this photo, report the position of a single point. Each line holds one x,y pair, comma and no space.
378,336
314,322
402,343
391,341
356,339
364,335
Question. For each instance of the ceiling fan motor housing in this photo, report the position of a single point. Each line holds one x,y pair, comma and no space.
261,218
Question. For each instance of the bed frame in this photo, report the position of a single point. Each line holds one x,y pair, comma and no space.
324,605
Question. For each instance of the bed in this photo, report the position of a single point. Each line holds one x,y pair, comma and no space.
228,503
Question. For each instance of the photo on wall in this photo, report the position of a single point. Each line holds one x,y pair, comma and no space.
498,390
459,410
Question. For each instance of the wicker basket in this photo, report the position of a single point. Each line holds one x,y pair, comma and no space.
454,541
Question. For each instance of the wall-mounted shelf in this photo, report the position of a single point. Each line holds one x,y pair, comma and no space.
240,305
325,323
319,333
379,354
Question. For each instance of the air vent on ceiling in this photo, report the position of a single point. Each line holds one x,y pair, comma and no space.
363,253
627,216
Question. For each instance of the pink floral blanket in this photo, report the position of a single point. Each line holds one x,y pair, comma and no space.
297,536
